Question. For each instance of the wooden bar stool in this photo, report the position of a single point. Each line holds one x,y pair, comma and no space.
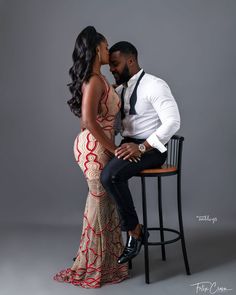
172,166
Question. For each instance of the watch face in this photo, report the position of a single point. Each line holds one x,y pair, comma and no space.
142,148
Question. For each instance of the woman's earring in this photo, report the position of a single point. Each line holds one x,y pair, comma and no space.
99,56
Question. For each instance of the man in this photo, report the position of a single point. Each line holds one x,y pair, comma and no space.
150,117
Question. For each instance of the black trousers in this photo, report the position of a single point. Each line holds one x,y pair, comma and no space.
114,179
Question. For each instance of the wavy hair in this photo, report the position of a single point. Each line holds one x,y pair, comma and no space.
83,57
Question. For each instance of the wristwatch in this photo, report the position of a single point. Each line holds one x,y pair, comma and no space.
142,148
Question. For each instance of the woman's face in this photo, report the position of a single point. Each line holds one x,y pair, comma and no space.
104,52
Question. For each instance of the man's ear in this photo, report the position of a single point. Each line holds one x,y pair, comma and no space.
130,61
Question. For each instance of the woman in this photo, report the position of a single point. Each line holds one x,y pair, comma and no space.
96,103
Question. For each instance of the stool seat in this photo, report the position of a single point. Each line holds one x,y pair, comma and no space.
162,169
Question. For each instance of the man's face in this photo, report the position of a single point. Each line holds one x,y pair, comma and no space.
119,67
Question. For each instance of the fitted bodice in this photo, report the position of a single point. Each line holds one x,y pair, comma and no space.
108,108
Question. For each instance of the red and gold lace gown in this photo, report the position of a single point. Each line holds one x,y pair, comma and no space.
101,241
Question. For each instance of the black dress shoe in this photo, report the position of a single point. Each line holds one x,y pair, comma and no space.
132,248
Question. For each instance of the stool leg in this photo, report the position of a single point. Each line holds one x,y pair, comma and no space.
181,228
163,252
146,256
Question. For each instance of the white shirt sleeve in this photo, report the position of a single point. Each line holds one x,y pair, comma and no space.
166,107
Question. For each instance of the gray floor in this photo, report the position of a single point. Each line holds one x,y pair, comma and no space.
30,255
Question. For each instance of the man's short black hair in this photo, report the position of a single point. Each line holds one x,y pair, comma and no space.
124,47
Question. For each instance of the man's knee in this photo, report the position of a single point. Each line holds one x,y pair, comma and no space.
109,177
105,177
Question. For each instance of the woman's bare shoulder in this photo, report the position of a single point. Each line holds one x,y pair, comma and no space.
95,86
94,81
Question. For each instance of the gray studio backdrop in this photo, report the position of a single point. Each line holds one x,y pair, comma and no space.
190,44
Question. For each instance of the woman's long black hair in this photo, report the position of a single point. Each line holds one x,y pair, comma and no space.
83,57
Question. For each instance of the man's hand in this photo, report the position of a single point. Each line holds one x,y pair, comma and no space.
128,151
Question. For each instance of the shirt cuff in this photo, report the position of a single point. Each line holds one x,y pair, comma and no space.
154,141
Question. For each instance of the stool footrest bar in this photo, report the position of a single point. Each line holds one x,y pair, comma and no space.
167,241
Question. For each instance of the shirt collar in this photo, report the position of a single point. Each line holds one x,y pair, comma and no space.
134,78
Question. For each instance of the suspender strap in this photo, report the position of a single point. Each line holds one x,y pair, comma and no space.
133,98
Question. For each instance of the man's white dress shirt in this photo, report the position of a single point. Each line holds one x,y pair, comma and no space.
157,117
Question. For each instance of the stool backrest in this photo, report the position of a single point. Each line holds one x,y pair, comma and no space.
174,151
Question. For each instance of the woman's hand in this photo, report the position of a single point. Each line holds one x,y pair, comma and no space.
109,154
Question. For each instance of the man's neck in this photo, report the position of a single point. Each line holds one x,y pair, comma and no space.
132,74
135,71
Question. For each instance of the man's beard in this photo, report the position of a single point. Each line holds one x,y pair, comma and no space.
123,77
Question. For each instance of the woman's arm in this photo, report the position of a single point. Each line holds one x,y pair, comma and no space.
92,93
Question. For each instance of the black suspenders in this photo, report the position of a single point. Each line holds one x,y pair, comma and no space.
133,99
